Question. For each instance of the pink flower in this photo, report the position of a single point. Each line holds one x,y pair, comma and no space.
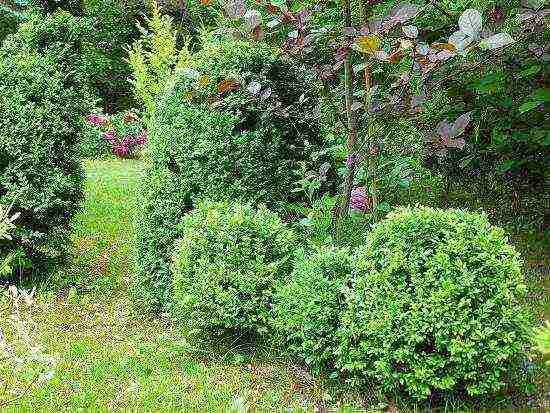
351,159
359,200
121,150
110,136
142,138
97,120
128,140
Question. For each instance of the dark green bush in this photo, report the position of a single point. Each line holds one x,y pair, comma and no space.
436,307
114,27
41,118
61,35
243,146
100,31
274,95
9,21
163,201
228,149
227,262
202,146
308,306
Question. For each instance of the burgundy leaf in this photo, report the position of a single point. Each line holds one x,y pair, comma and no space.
444,129
258,33
461,124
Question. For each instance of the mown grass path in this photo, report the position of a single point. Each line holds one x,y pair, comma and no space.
109,357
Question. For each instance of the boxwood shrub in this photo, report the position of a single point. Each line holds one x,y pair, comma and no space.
98,32
42,108
308,306
9,21
204,143
226,264
435,307
163,201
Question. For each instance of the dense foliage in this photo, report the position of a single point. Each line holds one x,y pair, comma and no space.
163,201
103,29
42,105
277,138
229,149
226,265
436,307
308,306
113,25
9,21
260,131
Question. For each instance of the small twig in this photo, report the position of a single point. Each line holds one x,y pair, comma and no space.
441,9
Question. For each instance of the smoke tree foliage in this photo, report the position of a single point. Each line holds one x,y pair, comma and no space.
417,60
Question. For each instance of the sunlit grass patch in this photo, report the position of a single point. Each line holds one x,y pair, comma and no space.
110,358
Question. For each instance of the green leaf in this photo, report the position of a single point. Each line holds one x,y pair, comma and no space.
541,95
528,106
278,3
505,166
530,71
384,207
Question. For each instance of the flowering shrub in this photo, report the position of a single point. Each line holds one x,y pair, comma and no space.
122,135
359,201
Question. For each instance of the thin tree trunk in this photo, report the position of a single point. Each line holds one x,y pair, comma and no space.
352,122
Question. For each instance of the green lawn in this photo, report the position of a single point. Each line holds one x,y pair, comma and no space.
108,357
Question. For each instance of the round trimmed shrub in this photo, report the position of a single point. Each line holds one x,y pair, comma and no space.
436,306
42,110
227,262
308,306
